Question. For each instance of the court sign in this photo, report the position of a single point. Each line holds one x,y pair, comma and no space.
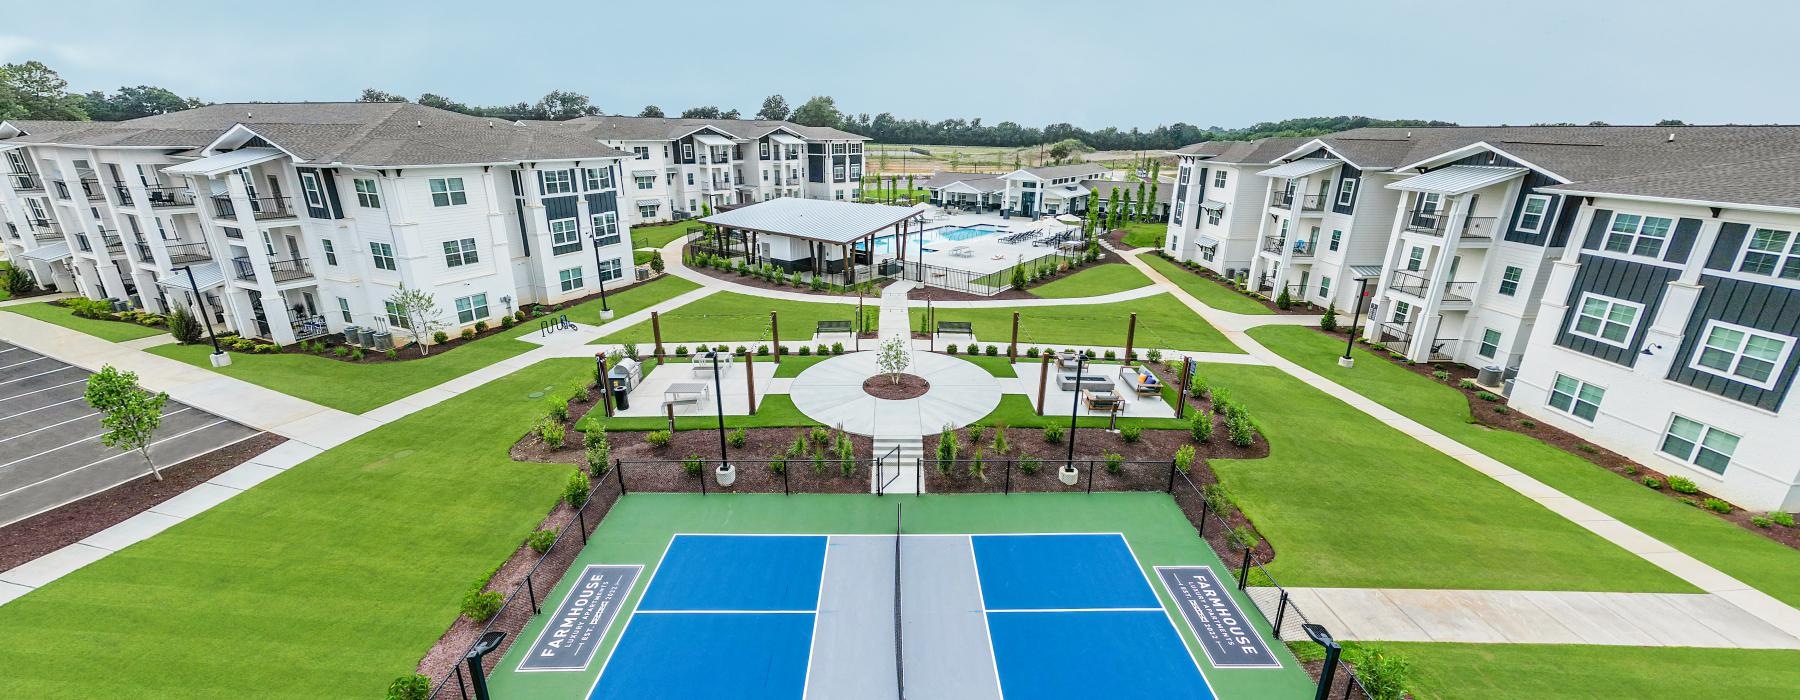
573,634
1227,637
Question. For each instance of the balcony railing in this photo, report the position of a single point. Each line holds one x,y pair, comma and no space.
1419,286
26,182
124,195
169,197
1274,245
308,327
81,242
45,229
91,188
280,270
261,208
1435,222
12,230
143,253
188,253
112,241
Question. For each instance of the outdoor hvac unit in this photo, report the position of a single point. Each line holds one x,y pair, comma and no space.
1488,376
365,337
1230,273
643,273
118,305
382,341
350,334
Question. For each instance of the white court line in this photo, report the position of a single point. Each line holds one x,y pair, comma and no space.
625,628
985,630
812,638
40,391
727,612
77,442
121,454
27,362
40,374
47,427
1166,616
1074,610
40,408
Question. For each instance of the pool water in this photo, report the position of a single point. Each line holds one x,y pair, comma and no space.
916,241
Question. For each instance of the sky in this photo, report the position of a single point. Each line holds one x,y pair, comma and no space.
1092,63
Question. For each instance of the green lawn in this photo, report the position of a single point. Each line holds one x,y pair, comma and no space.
1163,322
1145,234
622,303
327,581
114,331
1744,555
1349,502
774,411
659,235
1550,672
1207,291
729,317
1092,282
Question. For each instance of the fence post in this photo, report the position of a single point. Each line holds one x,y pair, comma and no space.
1187,367
1244,570
581,517
775,331
1090,468
531,594
1044,378
1280,612
703,471
1012,351
656,332
785,466
1205,510
1171,488
1009,464
750,377
460,688
918,476
619,468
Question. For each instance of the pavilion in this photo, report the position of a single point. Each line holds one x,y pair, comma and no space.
811,235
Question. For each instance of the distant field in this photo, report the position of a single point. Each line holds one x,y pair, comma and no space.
995,159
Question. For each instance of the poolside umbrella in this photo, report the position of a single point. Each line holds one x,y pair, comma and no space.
1068,218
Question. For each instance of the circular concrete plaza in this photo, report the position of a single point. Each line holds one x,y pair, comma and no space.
831,393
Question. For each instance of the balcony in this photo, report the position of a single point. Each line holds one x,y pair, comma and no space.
162,197
112,241
280,270
26,182
261,208
124,195
188,253
1433,222
91,188
143,253
12,230
45,230
1282,199
1274,245
1457,295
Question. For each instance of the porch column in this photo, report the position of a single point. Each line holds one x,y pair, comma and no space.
1389,264
1431,315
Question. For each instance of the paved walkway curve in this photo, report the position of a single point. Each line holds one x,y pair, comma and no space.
1701,575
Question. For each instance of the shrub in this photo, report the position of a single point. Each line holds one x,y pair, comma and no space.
976,433
1761,521
1682,484
268,348
819,435
1110,355
356,354
552,433
798,448
1466,383
1131,433
1202,425
1487,396
1441,375
559,410
692,465
467,334
411,686
1241,537
519,315
1153,355
846,453
1030,465
1527,423
1716,505
1782,518
481,326
818,460
1240,429
823,350
1001,446
681,351
16,281
541,540
1053,434
992,351
1653,482
1282,300
631,350
393,354
341,350
837,348
973,349
1218,499
479,606
1590,449
597,458
182,325
1115,463
440,337
805,351
657,438
1184,458
507,322
778,464
738,437
1328,322
1502,410
1031,352
950,349
1200,388
978,465
947,447
762,351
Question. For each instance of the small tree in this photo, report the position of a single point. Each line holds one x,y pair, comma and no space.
411,686
893,358
129,414
656,262
17,281
183,325
421,312
1328,322
1018,276
1283,300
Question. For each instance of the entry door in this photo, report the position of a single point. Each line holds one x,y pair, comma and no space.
293,248
1303,275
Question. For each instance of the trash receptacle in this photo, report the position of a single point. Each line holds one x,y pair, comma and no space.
620,390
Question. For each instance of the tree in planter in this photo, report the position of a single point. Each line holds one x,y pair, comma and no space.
129,414
1283,300
421,312
893,358
1328,322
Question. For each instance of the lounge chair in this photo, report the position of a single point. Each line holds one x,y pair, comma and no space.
1140,380
1101,400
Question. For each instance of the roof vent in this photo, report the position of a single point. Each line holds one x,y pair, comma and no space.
1409,134
1671,137
249,115
419,123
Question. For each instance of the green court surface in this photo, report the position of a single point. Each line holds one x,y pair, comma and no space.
640,526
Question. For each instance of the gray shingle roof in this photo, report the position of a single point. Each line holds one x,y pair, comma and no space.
947,177
1056,171
1258,152
1164,191
1774,182
620,128
1574,152
816,219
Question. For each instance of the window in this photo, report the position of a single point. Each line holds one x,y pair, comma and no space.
606,228
1699,444
1346,192
570,278
1772,253
397,316
645,182
565,237
384,256
647,211
643,152
1576,397
1213,216
460,252
1741,353
1533,212
471,308
611,270
447,191
598,178
367,196
330,252
1401,311
1490,343
1606,319
1509,280
556,182
1324,287
839,194
1218,178
309,184
1637,235
1415,258
1337,238
344,308
1428,203
762,149
687,151
690,179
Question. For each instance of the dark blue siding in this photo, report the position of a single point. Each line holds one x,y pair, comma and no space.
561,207
1320,153
1565,221
1726,246
1760,306
1596,233
331,193
1346,172
602,202
1533,180
1681,241
317,212
1620,279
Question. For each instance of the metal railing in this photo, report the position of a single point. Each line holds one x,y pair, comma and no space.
82,244
1410,283
1435,222
309,327
261,208
143,253
1282,199
27,182
188,253
160,197
91,188
124,195
1274,245
279,270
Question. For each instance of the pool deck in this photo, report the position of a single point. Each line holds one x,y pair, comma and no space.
987,253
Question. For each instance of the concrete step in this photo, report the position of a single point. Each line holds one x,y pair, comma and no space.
900,466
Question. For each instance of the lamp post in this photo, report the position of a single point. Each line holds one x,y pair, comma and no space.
1362,290
478,675
606,313
1322,637
1075,405
719,405
218,358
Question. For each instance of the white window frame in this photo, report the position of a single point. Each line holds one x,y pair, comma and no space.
1504,280
643,152
565,236
1788,255
472,308
1219,178
1637,316
1402,312
571,282
645,182
1337,238
450,189
460,251
1482,348
383,251
597,178
553,182
1696,444
1214,216
1415,259
1737,353
1346,191
1324,287
612,269
648,211
606,227
369,197
330,252
1636,236
1525,211
313,190
687,151
344,308
1575,399
396,315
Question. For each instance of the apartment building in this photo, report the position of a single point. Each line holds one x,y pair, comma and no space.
1027,192
295,220
679,165
1218,202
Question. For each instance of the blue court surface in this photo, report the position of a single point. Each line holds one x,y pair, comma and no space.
1022,617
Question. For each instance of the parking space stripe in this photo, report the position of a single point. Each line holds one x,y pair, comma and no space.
95,436
40,391
40,374
40,408
27,362
121,454
47,427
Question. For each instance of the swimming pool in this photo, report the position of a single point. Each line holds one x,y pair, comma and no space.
922,240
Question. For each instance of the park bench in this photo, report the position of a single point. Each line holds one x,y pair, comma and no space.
956,327
833,327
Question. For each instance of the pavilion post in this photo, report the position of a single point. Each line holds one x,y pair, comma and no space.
775,330
750,378
1130,335
1187,375
1043,379
656,333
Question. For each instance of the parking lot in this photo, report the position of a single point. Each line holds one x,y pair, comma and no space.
50,449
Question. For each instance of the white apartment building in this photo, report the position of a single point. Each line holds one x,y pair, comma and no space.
1027,192
296,220
679,165
1218,202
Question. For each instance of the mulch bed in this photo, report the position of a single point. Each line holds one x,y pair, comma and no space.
1297,307
1496,415
47,532
910,386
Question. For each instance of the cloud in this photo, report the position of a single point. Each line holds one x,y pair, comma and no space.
13,48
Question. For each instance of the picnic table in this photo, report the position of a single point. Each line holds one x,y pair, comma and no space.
685,393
